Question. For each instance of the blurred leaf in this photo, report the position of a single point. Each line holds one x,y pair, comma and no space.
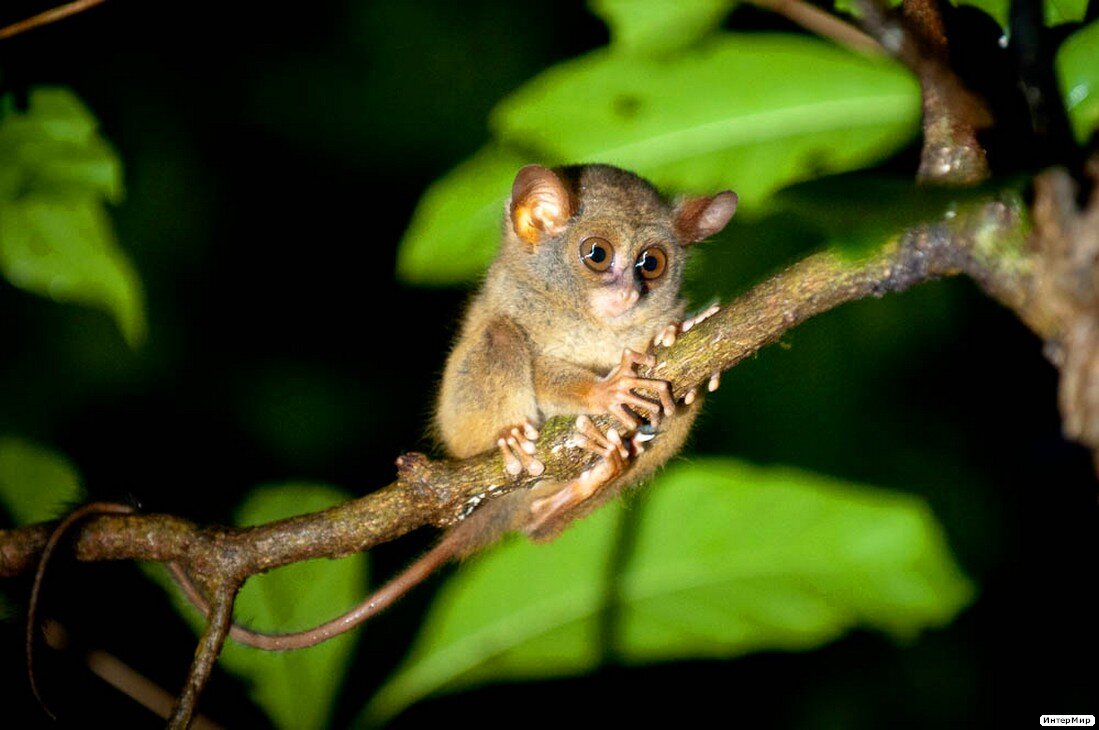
455,230
64,248
728,559
36,484
887,206
520,611
657,27
54,148
56,240
1065,11
750,112
1078,70
296,688
732,558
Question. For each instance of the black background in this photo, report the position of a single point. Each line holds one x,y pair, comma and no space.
273,156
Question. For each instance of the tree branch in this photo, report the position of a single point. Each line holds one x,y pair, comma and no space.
49,16
218,621
986,242
952,114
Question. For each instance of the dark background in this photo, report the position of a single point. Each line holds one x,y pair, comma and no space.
273,157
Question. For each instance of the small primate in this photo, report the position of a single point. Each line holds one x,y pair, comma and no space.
587,279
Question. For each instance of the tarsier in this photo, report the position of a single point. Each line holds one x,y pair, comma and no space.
586,282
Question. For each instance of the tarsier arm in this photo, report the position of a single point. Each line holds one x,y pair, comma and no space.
563,387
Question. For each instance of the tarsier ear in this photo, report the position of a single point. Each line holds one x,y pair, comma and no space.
699,218
540,204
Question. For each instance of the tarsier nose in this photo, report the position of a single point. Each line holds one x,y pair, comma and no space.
611,302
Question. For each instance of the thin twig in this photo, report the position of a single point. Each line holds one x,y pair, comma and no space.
209,647
123,677
952,114
823,24
50,16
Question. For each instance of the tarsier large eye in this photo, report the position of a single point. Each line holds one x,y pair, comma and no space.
597,253
651,263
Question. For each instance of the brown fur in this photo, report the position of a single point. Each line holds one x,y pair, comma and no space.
532,345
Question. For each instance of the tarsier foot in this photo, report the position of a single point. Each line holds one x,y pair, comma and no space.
667,336
545,510
516,445
616,391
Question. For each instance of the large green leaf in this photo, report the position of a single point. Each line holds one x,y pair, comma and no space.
455,230
1078,70
63,247
728,559
36,484
296,688
887,206
56,239
751,112
658,27
1065,11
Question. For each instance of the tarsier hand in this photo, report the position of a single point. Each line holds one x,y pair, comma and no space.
615,392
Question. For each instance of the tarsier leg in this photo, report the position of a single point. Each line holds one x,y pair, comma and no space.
544,511
516,445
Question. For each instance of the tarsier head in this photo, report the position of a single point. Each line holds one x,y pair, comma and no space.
607,237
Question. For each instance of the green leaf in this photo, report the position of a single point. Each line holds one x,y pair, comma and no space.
296,688
728,559
54,147
733,558
1078,71
519,611
455,229
36,484
64,248
751,112
1065,11
56,239
888,205
658,27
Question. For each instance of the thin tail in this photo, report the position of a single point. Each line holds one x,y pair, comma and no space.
481,528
